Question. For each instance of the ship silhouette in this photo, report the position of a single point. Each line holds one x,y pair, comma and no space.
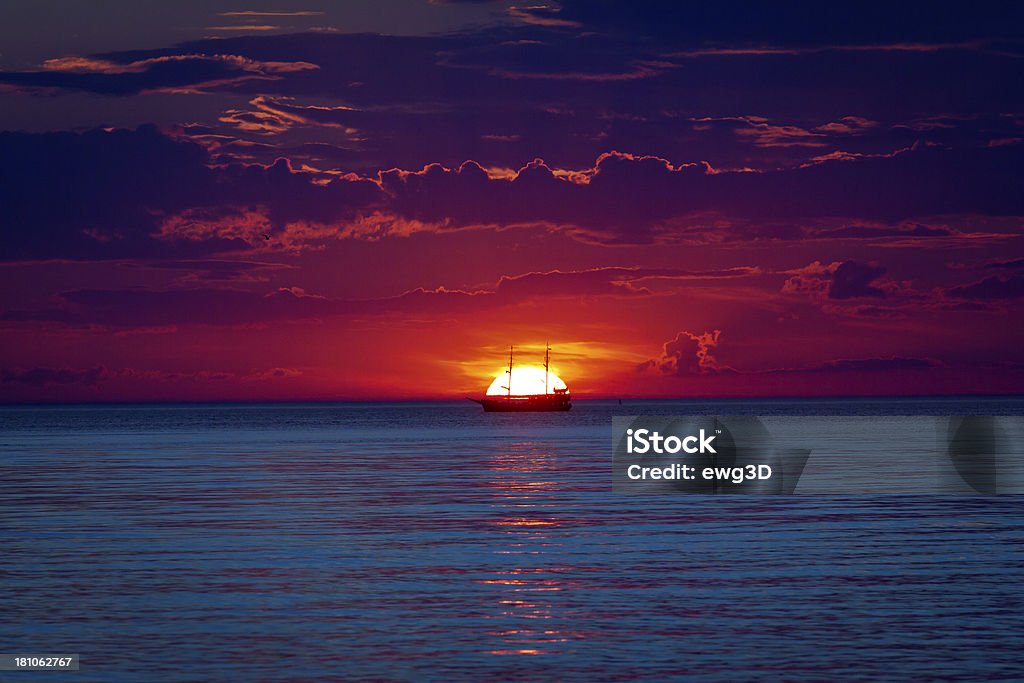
550,401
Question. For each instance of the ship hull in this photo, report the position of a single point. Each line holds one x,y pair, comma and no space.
525,404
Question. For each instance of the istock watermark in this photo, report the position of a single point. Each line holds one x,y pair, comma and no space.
644,440
818,454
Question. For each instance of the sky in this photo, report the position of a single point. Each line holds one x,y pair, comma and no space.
373,199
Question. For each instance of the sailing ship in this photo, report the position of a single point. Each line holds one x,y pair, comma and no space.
551,400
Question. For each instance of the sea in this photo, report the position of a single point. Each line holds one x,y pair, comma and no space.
435,542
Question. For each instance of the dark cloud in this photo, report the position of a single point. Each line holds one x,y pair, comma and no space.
468,66
505,129
271,13
626,91
274,373
468,196
145,308
160,309
690,354
42,376
892,363
602,281
735,21
502,95
1013,264
495,132
839,280
632,199
990,289
255,375
211,269
111,194
207,306
872,232
852,279
584,58
304,63
108,194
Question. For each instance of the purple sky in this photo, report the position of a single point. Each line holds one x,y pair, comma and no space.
372,199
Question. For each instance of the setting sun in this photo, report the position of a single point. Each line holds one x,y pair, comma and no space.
526,381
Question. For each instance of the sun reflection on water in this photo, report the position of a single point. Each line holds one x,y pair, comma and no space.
528,604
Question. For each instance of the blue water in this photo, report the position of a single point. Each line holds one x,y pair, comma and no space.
432,541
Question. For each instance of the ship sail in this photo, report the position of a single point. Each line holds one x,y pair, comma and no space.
551,400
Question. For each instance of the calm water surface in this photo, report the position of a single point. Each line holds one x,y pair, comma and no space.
435,542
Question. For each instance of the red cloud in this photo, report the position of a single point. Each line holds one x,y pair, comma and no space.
195,72
687,354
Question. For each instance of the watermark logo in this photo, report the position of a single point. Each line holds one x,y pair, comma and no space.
818,454
645,440
700,455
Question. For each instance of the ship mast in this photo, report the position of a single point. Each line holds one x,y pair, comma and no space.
547,357
510,371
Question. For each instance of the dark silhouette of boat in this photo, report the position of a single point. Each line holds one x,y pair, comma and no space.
554,400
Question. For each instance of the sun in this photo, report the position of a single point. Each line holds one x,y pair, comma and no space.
526,381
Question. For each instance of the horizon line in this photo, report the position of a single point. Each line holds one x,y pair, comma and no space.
595,398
